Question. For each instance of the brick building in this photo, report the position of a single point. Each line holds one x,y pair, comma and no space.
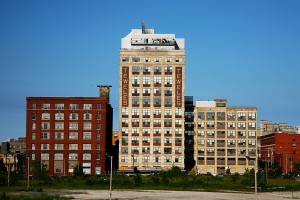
280,148
63,132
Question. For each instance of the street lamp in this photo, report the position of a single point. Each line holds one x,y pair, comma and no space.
255,175
132,155
28,172
110,180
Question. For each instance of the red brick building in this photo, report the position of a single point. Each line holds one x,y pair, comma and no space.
282,148
63,132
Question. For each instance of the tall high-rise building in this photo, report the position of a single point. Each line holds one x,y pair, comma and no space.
224,137
62,132
152,68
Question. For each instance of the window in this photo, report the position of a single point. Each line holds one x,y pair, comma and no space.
135,91
168,80
59,126
168,69
168,122
156,150
135,80
156,59
210,124
168,101
241,125
251,134
58,156
201,115
241,115
146,80
135,69
200,133
157,79
135,111
73,156
210,133
33,136
46,106
178,111
210,115
59,106
156,159
157,122
98,106
231,133
241,133
157,111
73,116
178,60
252,115
86,156
59,135
73,106
33,116
124,159
157,91
98,146
73,146
168,159
157,101
125,59
87,106
59,146
45,116
135,59
86,146
168,131
178,122
145,159
146,111
59,116
73,135
157,69
178,150
87,126
98,126
98,116
87,135
45,126
168,91
87,116
45,135
32,146
124,111
251,124
146,101
33,106
168,59
251,142
44,146
73,125
146,91
231,124
146,69
44,156
156,140
231,115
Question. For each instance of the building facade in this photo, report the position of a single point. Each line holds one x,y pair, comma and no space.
152,68
224,136
63,132
280,149
189,160
268,127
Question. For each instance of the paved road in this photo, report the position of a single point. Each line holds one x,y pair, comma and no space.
164,195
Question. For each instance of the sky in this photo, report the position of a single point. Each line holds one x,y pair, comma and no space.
247,51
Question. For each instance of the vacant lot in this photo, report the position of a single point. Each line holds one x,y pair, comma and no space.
163,195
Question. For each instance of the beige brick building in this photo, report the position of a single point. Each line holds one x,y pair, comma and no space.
224,136
152,68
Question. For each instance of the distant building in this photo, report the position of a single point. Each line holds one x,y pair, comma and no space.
280,149
152,68
63,132
224,136
115,137
268,127
18,145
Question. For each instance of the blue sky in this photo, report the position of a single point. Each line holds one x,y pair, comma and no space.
245,51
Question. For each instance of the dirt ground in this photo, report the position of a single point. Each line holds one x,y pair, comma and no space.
163,195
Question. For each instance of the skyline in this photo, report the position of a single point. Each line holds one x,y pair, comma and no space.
244,51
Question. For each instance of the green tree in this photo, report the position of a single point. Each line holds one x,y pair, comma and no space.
38,170
296,166
78,170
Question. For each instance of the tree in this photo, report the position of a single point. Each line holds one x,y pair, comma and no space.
78,170
296,166
38,170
